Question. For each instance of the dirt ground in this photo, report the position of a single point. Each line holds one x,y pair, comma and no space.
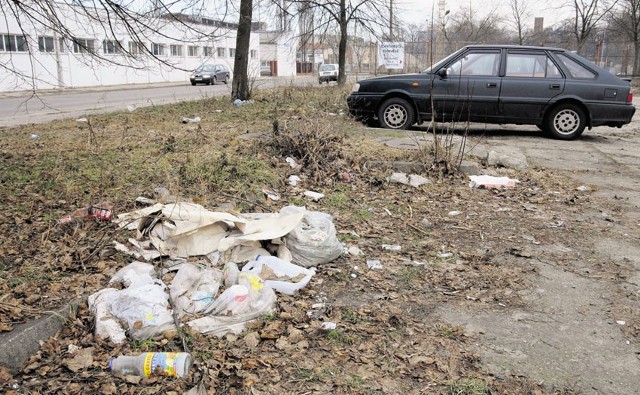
580,324
528,290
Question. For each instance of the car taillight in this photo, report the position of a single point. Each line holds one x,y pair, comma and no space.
630,97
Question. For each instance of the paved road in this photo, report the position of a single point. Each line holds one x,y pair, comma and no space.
27,107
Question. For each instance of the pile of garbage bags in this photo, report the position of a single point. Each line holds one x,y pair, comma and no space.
277,252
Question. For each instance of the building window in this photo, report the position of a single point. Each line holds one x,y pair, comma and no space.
62,45
221,52
83,45
135,48
207,51
176,50
45,44
13,43
232,52
254,54
111,47
193,50
158,49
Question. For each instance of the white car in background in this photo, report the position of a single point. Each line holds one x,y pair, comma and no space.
328,72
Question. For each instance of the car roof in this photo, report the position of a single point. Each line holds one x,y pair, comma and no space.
511,46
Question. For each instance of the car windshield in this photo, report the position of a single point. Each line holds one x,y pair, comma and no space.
328,67
441,62
206,67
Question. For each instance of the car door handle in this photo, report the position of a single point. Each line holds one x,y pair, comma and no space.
554,86
491,85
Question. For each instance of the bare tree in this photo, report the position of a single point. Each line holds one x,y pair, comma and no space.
466,27
626,21
329,15
240,88
587,15
520,13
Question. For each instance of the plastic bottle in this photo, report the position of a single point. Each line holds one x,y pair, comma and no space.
174,364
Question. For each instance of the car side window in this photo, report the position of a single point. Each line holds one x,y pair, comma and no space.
531,65
576,69
478,63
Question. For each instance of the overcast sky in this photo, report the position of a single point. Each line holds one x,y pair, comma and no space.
419,11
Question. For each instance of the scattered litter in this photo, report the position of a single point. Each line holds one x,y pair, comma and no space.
315,196
445,255
328,326
292,162
318,305
101,211
82,120
283,277
392,247
502,305
190,120
414,180
346,177
131,107
582,188
374,264
491,182
294,180
238,102
409,262
386,210
353,275
354,251
145,200
230,274
454,213
270,193
620,322
35,136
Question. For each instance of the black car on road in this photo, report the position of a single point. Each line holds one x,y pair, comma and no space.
552,88
210,74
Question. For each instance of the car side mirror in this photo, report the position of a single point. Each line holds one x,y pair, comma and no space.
442,72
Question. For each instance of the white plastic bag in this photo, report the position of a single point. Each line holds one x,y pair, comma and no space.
313,241
144,309
194,288
279,274
134,273
246,301
107,326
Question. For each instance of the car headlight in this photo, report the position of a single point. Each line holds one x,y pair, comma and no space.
356,87
206,75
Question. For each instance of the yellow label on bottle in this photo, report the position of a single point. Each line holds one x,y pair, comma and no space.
162,363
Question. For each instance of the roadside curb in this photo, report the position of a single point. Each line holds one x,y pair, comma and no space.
17,346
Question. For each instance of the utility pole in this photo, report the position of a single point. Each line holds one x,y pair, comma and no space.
390,20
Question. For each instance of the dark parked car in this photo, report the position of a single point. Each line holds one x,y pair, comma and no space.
210,74
554,89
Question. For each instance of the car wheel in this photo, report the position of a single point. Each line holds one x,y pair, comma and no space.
214,80
193,83
565,122
226,79
396,113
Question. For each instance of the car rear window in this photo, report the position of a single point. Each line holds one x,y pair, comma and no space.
576,70
328,67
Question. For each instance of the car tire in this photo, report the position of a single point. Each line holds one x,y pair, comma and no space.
565,122
396,113
193,83
214,80
226,79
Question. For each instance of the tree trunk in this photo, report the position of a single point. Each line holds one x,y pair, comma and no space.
240,88
342,48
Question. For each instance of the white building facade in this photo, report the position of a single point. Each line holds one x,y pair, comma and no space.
35,57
